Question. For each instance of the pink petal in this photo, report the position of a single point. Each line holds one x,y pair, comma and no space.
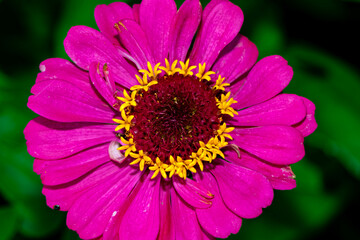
210,6
64,170
308,125
66,194
90,213
104,83
156,17
192,193
184,26
217,220
275,144
185,220
134,40
141,220
85,45
107,16
281,177
111,231
60,100
245,192
58,68
266,79
52,140
167,229
136,12
217,30
236,58
284,109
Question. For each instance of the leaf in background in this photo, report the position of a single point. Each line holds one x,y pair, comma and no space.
7,223
313,205
334,87
268,33
69,235
19,185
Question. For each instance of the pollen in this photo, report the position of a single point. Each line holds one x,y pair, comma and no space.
173,119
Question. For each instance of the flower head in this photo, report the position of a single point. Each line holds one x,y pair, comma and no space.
143,137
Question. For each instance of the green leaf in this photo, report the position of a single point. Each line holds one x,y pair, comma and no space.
334,87
7,223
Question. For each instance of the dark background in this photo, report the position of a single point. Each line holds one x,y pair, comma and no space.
317,37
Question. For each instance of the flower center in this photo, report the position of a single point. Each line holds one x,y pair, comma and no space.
174,121
173,116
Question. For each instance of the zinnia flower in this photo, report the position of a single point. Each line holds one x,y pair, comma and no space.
144,137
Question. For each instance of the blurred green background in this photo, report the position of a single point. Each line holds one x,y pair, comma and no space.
317,37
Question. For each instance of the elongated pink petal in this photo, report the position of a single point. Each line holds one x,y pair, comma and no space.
217,220
103,83
66,194
184,26
244,191
156,17
281,177
236,58
85,45
266,79
136,12
193,193
167,227
142,219
112,229
58,68
185,220
91,212
107,15
134,40
308,125
55,172
217,30
275,144
284,109
63,101
52,140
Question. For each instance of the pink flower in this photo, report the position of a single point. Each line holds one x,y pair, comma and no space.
143,137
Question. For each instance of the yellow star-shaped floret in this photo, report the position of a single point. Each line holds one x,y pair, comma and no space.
144,84
219,85
129,146
140,158
185,69
125,123
170,70
159,166
129,100
202,74
151,72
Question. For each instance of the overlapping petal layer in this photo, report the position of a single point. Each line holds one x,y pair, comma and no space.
109,199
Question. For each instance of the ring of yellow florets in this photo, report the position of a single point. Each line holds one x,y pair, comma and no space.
177,165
